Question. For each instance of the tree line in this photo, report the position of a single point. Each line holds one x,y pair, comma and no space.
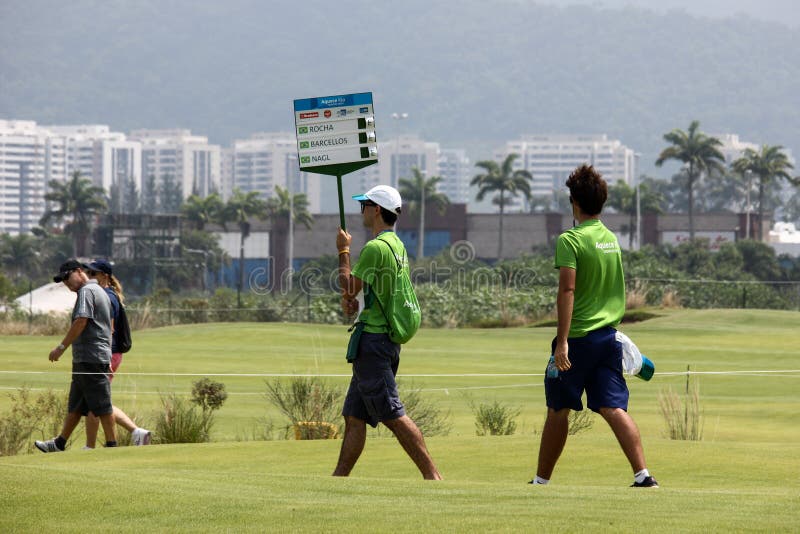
76,204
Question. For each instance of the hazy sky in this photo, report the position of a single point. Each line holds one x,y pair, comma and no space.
783,11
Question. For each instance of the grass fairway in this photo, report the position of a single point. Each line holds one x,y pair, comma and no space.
742,477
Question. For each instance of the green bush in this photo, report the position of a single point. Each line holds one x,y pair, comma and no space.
428,417
209,395
495,419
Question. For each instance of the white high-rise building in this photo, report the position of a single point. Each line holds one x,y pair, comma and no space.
30,156
226,166
551,158
267,160
456,171
732,148
188,159
396,159
106,158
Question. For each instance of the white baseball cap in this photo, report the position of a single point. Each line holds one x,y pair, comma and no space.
384,196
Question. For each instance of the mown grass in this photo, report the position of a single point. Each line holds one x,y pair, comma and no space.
742,476
284,486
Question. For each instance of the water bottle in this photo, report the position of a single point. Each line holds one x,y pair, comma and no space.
552,370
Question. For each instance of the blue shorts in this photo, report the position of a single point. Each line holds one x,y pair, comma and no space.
596,360
373,395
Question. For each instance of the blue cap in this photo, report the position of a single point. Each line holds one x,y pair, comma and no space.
103,266
648,369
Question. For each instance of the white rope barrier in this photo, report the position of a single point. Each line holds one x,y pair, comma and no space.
751,372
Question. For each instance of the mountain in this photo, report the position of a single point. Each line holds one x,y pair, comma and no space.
469,73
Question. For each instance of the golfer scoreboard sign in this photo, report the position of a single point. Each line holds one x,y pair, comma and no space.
335,134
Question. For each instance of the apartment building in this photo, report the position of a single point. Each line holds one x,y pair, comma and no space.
189,160
456,171
397,158
106,158
30,156
551,158
267,160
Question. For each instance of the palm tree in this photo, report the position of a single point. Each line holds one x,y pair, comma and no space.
767,165
201,211
699,152
19,254
506,180
77,202
622,198
240,208
293,207
418,192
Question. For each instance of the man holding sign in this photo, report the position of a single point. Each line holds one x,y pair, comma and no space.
373,395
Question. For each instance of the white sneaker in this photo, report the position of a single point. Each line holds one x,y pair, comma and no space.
140,436
47,446
87,448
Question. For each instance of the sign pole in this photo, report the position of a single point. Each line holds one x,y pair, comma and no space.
341,201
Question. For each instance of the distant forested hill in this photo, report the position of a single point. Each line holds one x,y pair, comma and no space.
472,72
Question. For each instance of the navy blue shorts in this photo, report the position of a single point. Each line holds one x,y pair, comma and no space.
373,395
596,362
90,392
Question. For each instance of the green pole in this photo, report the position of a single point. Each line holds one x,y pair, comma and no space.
341,201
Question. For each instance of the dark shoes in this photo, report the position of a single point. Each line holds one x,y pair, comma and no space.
648,482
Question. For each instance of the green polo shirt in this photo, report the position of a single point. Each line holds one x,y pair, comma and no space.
376,268
593,251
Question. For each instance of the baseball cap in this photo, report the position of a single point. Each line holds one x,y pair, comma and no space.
384,196
102,266
66,268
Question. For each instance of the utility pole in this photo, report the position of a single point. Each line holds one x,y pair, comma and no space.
636,156
749,176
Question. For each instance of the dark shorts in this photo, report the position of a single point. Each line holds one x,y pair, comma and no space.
373,395
596,368
90,392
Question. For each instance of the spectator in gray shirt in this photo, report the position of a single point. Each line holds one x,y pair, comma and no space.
90,337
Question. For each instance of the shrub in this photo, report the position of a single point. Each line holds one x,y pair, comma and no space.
580,421
41,417
304,400
495,419
684,419
181,422
430,420
209,395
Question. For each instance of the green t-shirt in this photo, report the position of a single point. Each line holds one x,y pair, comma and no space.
376,268
593,251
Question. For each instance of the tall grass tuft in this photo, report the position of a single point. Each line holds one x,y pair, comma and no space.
636,295
429,418
21,323
307,400
671,299
684,419
180,421
30,417
580,421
